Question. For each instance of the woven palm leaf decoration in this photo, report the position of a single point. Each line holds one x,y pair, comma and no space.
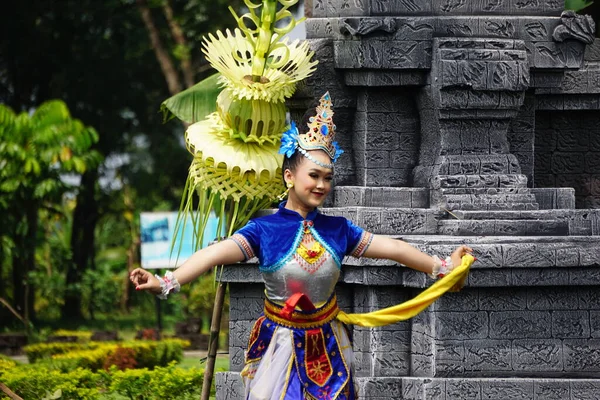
236,168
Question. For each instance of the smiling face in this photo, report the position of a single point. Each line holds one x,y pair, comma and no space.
312,183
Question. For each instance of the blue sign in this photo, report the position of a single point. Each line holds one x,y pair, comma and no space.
157,230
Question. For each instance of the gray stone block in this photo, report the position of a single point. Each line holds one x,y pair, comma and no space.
463,389
363,364
595,324
237,358
539,277
239,332
537,355
487,356
581,355
571,324
505,299
520,325
560,299
391,364
373,387
551,390
501,389
584,389
461,325
229,386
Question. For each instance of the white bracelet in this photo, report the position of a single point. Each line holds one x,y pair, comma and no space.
168,285
441,268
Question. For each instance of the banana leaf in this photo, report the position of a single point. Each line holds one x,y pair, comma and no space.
577,5
193,104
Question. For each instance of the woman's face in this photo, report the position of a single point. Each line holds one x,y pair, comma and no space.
312,183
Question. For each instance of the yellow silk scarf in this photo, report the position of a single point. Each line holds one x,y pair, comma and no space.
391,315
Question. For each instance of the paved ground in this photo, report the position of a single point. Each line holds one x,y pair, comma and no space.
191,353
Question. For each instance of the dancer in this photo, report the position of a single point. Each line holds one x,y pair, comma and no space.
298,349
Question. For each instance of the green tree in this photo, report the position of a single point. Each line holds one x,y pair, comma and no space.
36,151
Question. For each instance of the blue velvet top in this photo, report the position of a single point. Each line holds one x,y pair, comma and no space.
275,238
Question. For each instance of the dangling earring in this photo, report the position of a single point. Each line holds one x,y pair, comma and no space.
284,194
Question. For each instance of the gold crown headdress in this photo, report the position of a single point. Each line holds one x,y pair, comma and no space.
320,135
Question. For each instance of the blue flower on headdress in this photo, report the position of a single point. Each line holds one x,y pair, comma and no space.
338,151
289,141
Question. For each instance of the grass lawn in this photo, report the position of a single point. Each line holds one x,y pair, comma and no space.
222,363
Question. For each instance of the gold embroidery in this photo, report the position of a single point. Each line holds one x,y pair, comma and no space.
312,254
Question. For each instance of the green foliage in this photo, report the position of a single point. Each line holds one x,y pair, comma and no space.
37,149
577,5
6,363
35,382
168,383
101,288
201,296
195,103
96,355
82,336
39,351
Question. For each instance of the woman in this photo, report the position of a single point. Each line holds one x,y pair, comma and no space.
297,349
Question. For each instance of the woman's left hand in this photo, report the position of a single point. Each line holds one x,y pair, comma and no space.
458,254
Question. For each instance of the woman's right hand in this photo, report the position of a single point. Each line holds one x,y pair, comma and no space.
144,280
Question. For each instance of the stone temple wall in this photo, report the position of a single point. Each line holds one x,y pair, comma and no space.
472,122
568,154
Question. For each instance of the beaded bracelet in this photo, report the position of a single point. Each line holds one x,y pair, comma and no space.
441,267
168,285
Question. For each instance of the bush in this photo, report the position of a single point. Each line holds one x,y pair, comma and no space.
39,351
82,336
94,355
33,382
122,358
6,363
165,383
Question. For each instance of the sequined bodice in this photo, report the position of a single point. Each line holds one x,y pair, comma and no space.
308,268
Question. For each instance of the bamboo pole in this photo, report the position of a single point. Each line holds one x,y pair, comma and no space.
9,392
213,341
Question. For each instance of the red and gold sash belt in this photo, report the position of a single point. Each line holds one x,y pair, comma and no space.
307,317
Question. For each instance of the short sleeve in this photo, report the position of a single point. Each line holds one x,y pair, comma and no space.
247,238
357,240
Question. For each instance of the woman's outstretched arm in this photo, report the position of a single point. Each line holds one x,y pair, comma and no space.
222,253
404,253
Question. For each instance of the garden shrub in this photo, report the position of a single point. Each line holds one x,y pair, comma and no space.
122,358
165,383
94,355
6,363
82,336
33,382
36,352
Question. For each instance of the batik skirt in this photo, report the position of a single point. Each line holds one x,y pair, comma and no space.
298,354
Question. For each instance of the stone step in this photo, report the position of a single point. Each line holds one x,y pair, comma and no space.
488,202
352,196
480,181
486,191
229,386
506,214
390,220
580,222
554,198
507,227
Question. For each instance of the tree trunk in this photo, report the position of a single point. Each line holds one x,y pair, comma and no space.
177,32
166,65
18,275
31,245
85,218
